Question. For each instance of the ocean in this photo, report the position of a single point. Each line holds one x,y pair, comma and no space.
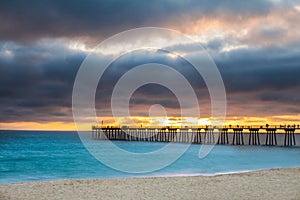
27,156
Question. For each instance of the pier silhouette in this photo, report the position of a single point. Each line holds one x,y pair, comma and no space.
231,135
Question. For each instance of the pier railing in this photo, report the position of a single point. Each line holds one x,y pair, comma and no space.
235,135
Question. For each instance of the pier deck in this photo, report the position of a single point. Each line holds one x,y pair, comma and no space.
239,135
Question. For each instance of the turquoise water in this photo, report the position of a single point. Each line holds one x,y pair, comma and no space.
39,155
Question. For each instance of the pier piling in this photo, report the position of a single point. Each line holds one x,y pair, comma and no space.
209,136
238,137
271,137
223,136
289,137
254,136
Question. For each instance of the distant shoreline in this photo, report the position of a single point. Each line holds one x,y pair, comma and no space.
263,184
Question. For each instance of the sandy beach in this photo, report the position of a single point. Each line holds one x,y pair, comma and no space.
265,184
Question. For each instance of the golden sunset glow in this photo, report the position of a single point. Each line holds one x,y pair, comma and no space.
153,122
37,126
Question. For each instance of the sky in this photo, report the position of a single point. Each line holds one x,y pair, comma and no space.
255,45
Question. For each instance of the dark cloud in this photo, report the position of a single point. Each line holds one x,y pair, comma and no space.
291,97
151,94
35,87
36,80
35,19
148,94
258,58
271,68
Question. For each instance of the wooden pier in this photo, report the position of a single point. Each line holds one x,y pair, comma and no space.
199,135
254,136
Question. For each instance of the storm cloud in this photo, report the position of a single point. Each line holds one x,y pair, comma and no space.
255,45
35,19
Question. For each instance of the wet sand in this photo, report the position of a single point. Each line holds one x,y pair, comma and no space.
264,184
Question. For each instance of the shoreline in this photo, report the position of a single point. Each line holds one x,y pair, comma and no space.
153,176
279,183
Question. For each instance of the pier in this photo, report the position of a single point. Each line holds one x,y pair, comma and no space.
238,135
